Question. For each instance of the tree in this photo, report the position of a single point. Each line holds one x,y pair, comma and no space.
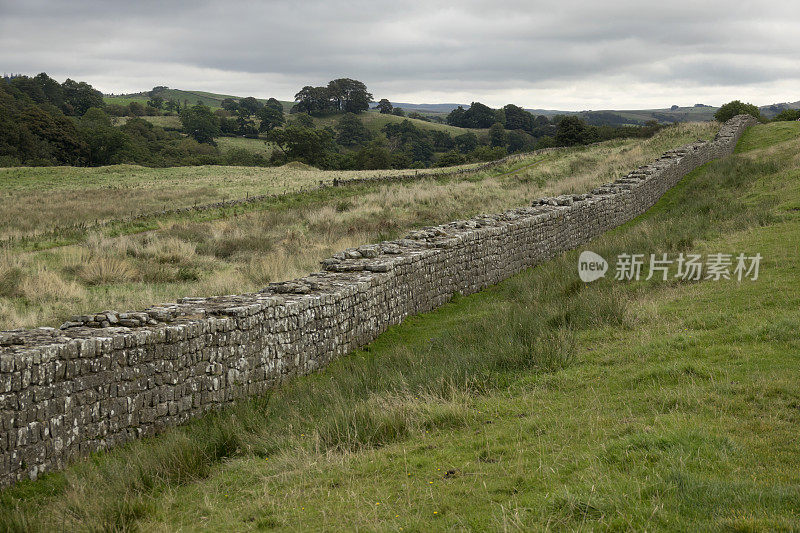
456,116
249,106
787,114
442,141
477,116
156,102
135,109
304,120
275,104
497,135
466,142
172,105
517,118
79,97
30,88
374,156
105,142
200,123
270,118
313,100
351,131
515,141
404,132
422,150
384,106
451,159
736,107
349,95
229,104
306,144
571,131
398,112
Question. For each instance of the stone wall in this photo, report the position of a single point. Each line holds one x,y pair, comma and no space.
108,378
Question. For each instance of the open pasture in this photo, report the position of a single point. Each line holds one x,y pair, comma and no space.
132,264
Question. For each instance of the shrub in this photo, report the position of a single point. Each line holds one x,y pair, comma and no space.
787,114
736,107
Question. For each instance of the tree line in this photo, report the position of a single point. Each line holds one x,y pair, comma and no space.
43,122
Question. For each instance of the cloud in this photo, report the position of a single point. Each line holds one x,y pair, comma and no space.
566,54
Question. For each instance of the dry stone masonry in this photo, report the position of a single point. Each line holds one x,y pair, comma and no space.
107,378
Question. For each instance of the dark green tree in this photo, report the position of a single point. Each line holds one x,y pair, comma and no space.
571,131
384,106
451,159
249,106
456,116
156,102
422,150
275,104
442,141
200,123
349,95
270,118
497,135
304,120
466,142
398,112
517,118
230,105
310,145
79,97
313,100
350,131
515,141
736,107
787,114
374,156
172,105
135,109
105,142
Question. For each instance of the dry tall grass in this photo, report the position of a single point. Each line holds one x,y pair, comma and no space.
243,253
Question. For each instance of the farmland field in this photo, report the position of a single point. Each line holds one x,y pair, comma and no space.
539,404
255,146
62,263
374,121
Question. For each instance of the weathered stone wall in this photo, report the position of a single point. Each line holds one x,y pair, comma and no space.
107,378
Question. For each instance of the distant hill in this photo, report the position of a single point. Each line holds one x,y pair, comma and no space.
212,100
612,117
429,108
770,111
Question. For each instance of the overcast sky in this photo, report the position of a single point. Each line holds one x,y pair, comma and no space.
554,54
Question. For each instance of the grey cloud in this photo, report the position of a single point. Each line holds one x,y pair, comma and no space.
406,47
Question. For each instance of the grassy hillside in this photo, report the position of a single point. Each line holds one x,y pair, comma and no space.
541,403
212,100
374,121
82,267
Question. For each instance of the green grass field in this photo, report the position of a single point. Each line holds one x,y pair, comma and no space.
375,121
255,146
169,122
539,404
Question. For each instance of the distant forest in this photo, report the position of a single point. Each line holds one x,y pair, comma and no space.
44,122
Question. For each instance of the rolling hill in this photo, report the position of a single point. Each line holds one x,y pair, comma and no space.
695,113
